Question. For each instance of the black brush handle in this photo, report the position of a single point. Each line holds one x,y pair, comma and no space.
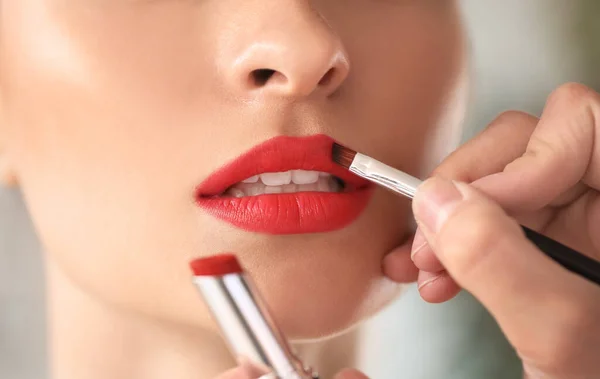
570,259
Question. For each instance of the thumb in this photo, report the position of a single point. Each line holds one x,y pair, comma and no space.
350,374
244,371
236,373
241,373
486,253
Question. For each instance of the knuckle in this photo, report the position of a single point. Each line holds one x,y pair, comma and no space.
514,126
446,170
517,126
514,117
540,147
578,107
576,97
472,237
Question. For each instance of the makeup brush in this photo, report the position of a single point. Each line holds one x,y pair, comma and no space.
404,184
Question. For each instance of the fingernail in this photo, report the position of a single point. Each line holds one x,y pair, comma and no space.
419,242
434,201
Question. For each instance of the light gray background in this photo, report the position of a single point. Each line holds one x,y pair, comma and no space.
521,51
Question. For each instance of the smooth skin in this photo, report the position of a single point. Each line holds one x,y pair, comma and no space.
544,173
112,112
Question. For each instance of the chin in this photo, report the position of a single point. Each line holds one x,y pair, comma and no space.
318,328
320,285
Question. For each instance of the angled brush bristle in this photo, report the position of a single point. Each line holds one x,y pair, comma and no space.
342,155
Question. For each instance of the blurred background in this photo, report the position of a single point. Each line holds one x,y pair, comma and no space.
521,51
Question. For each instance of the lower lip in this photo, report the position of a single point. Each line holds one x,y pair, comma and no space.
291,213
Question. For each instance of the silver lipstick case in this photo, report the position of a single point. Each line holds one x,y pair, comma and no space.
248,328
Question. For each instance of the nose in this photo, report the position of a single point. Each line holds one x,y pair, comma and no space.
287,52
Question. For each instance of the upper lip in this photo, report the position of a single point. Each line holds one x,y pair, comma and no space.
279,154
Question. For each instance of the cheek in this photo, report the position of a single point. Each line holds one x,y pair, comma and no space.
334,282
407,85
108,177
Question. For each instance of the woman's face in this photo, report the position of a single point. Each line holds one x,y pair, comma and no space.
116,112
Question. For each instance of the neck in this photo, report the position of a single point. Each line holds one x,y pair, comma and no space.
92,340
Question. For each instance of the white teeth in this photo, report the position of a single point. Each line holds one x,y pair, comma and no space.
304,177
273,189
254,190
283,178
252,179
311,187
236,192
323,184
290,188
276,178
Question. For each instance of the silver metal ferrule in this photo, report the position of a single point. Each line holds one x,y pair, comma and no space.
248,328
382,174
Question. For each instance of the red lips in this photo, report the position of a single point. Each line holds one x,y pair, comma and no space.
285,213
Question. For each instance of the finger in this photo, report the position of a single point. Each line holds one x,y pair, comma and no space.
350,374
504,140
236,373
246,370
437,287
486,253
422,255
398,266
562,151
480,156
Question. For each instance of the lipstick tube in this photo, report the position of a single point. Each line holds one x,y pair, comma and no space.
244,319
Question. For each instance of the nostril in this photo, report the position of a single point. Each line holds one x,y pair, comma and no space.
327,77
298,81
261,76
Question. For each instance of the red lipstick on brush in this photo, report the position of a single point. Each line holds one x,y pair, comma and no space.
250,331
280,212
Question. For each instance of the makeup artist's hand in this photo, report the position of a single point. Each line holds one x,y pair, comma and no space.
241,373
545,174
